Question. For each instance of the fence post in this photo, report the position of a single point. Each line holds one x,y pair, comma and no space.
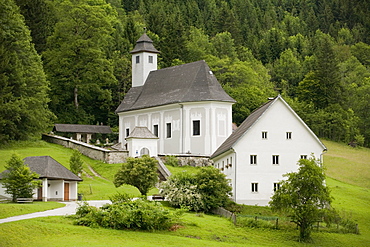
277,223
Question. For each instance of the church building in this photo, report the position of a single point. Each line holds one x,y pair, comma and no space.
184,107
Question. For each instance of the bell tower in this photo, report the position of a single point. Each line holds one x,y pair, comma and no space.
144,60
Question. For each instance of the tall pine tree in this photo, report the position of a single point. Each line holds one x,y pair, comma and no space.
23,86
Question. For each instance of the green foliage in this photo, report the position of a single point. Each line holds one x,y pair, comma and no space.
303,195
171,161
201,191
19,181
76,163
138,172
129,214
23,87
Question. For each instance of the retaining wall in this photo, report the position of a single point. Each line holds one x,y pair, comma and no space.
94,152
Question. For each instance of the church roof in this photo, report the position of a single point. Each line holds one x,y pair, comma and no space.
249,122
82,128
142,133
191,82
47,167
144,43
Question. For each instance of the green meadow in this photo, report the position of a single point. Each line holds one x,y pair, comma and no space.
348,178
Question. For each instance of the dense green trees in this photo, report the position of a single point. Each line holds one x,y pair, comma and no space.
23,86
315,52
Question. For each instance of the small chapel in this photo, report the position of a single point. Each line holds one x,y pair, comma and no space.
177,110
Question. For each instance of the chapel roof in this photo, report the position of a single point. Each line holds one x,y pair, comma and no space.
142,133
191,82
249,122
47,167
82,128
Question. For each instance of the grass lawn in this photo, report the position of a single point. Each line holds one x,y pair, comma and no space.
348,178
13,209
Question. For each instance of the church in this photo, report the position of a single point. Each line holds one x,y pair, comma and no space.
183,110
184,107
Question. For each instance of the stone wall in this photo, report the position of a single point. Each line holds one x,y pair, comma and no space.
94,152
188,160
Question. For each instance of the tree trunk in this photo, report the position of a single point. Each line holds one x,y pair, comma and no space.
75,93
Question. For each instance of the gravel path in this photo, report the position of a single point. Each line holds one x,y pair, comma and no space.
69,209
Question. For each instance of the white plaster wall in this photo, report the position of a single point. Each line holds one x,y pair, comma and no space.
56,190
277,121
140,71
135,146
72,190
2,191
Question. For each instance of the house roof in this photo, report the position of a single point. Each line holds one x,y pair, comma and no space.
249,122
142,133
47,167
81,128
144,43
191,82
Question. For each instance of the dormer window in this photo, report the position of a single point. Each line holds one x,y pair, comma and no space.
137,59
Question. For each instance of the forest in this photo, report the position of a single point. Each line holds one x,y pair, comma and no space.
68,61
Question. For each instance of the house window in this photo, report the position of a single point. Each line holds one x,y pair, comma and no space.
196,127
127,132
288,135
169,130
253,159
276,186
275,159
264,134
303,157
150,59
137,59
155,130
255,187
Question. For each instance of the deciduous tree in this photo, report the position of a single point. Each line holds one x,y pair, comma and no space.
303,195
138,172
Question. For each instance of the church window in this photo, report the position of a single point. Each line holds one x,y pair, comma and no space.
264,134
169,130
196,127
253,159
137,59
150,59
127,132
155,130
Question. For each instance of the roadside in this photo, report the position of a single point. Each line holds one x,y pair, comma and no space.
69,209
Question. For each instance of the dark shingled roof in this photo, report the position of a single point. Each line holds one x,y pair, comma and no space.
48,168
144,43
143,133
81,128
192,82
247,123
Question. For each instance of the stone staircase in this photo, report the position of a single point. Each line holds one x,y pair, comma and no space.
162,170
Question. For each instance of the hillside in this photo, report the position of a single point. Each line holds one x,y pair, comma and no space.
351,198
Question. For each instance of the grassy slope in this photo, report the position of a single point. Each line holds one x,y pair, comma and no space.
13,209
351,196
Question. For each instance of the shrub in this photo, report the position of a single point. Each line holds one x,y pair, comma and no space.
138,214
171,161
201,191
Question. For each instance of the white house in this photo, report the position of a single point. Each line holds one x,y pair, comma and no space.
184,106
58,183
265,146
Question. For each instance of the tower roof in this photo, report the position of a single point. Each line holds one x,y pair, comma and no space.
144,43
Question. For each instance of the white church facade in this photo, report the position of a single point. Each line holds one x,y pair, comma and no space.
183,110
268,144
184,106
